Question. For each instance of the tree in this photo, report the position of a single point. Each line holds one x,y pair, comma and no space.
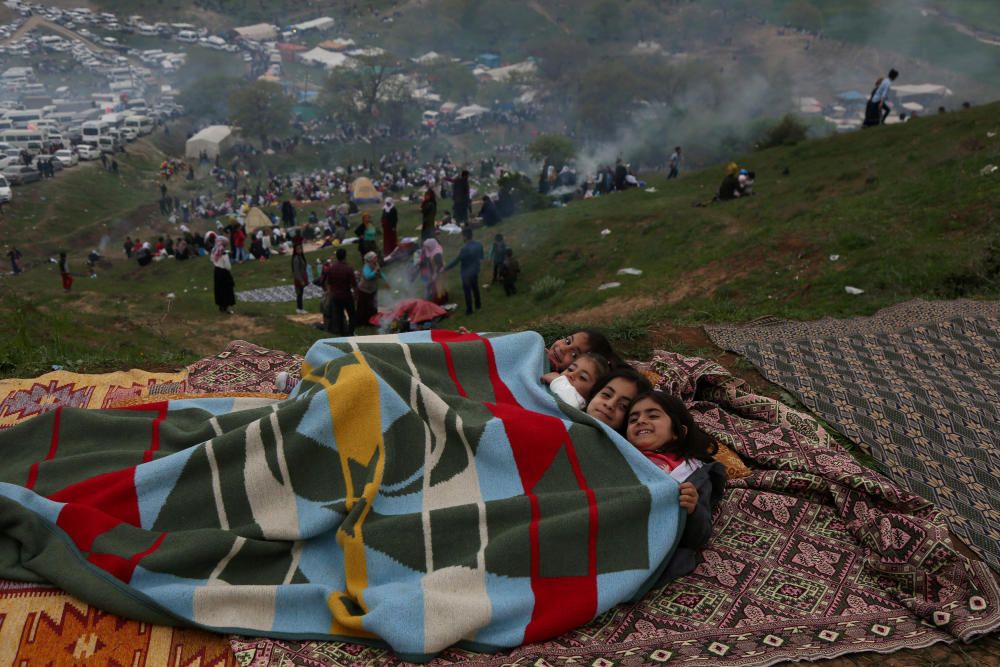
260,109
453,81
554,149
356,94
207,98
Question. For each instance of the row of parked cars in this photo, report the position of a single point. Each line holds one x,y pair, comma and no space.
13,170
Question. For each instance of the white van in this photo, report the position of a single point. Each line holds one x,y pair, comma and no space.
107,144
21,119
187,36
141,124
93,130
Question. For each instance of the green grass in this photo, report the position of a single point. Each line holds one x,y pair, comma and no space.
904,206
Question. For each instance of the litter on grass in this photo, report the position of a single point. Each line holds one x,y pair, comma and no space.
650,189
604,286
629,271
853,290
834,258
605,232
989,169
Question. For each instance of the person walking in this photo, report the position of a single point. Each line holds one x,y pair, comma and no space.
300,275
225,286
509,271
368,288
470,257
341,284
879,100
461,194
498,253
428,212
675,163
67,278
390,220
15,261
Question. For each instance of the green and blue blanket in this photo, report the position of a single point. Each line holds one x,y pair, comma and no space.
421,490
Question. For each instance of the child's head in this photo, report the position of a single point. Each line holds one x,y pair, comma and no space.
509,252
585,372
498,238
614,393
658,421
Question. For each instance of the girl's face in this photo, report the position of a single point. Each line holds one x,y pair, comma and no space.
565,350
649,427
612,401
583,374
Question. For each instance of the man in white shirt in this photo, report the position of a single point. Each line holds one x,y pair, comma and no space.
881,94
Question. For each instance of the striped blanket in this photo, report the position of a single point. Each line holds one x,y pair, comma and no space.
421,490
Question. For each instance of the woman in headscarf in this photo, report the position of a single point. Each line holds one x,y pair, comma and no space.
390,218
432,271
225,288
428,211
300,275
366,242
368,288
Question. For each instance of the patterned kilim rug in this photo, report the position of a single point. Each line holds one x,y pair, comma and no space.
813,557
918,384
243,367
279,294
40,624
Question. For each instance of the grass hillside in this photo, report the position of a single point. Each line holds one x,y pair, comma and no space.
905,207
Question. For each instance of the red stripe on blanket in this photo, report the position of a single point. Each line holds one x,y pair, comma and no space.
123,568
53,446
160,407
561,603
501,392
96,505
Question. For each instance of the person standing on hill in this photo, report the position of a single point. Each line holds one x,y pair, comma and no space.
15,261
225,287
675,163
509,271
428,211
470,257
390,220
463,198
341,284
67,278
300,275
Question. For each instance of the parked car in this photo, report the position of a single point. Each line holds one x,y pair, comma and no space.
19,174
67,157
5,192
88,152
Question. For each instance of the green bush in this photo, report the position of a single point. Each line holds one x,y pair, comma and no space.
788,132
545,287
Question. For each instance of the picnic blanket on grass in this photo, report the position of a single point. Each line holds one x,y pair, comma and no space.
812,556
415,490
918,384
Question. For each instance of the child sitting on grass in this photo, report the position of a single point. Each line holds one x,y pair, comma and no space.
576,384
660,426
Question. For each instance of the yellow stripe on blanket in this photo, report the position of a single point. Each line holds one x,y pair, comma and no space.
357,430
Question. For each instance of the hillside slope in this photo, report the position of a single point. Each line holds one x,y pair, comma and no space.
904,208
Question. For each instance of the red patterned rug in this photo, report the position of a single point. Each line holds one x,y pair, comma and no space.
243,367
813,557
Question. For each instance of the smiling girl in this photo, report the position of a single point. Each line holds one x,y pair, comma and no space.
660,426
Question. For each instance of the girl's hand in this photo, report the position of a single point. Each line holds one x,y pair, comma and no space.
463,330
689,497
549,377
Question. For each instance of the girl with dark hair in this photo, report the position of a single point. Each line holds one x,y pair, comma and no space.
614,393
428,211
562,352
575,385
660,426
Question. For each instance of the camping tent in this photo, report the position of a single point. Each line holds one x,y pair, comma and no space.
257,219
259,32
328,59
363,192
470,111
212,140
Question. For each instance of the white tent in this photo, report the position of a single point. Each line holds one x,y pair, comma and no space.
921,90
328,59
502,74
429,57
322,23
470,111
213,140
259,32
